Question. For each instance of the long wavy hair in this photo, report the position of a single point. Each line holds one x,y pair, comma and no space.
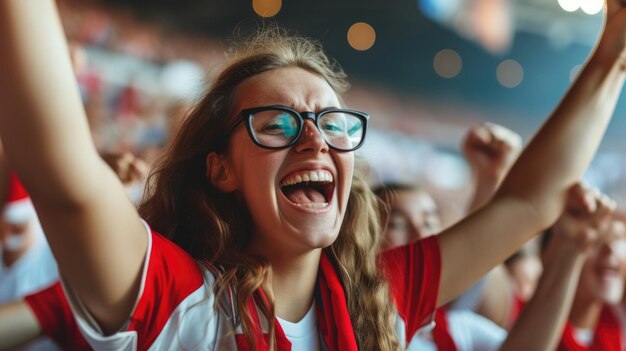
215,227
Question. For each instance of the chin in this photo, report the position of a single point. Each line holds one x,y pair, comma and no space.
317,239
611,292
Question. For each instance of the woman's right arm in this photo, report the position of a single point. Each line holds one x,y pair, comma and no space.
93,229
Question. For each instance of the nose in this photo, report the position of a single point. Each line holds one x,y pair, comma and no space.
311,139
614,247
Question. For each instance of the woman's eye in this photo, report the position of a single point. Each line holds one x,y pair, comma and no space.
354,129
332,127
281,125
397,223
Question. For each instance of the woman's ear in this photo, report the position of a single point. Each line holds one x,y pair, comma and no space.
219,172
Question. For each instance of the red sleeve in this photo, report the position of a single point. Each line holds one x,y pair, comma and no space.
171,276
414,273
55,317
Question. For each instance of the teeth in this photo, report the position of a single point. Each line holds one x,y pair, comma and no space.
308,176
315,205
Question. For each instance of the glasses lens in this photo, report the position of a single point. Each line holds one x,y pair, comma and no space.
274,128
342,130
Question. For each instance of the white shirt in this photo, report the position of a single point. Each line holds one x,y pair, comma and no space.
470,332
584,336
304,334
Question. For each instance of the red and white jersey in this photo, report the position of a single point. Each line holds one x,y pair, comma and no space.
177,309
55,318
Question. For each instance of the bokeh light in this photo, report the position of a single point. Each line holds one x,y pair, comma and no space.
510,73
570,5
361,36
266,8
591,7
447,63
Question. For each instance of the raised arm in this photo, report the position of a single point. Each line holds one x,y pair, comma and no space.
532,195
581,226
93,229
490,150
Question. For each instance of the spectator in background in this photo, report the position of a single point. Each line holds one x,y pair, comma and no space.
409,213
582,225
582,238
42,321
490,150
27,262
593,323
43,313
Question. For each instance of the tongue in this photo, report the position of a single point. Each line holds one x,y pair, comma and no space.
304,195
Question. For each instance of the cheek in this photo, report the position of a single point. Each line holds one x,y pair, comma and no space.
252,165
345,165
588,275
619,249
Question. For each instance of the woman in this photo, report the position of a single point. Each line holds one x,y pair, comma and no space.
264,204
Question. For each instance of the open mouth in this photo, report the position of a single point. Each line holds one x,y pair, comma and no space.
608,272
309,189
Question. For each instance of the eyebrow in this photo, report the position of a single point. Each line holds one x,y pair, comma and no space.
319,110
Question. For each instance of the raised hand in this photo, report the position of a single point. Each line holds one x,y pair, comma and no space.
615,12
128,167
586,218
612,44
490,150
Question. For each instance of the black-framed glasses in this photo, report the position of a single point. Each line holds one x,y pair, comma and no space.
279,127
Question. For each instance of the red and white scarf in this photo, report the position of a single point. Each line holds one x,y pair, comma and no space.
335,326
441,332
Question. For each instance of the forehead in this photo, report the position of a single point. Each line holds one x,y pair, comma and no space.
415,200
291,86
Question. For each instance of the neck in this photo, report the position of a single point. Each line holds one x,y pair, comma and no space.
293,284
585,312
